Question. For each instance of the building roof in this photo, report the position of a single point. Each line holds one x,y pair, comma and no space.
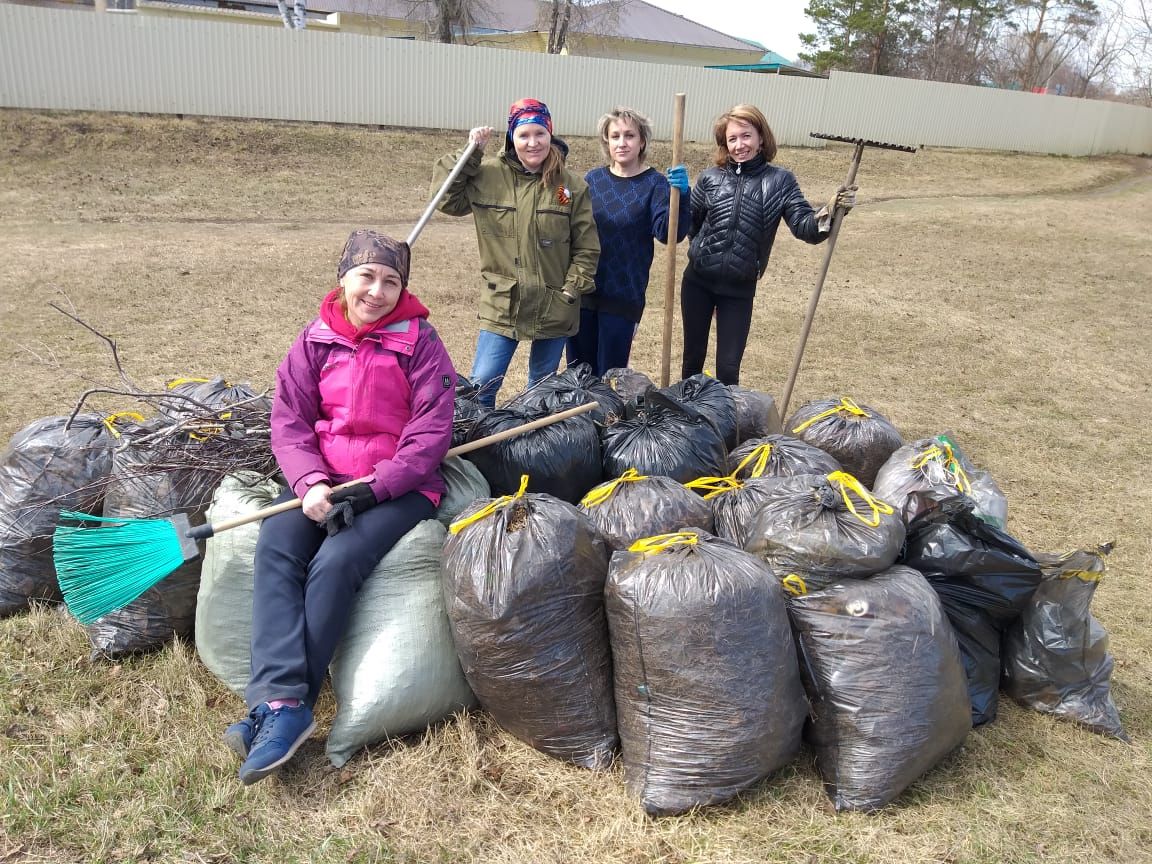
623,19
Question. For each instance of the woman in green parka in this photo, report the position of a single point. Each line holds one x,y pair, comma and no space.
538,243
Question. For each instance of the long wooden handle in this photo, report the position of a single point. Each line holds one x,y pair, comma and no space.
204,531
834,232
431,208
673,234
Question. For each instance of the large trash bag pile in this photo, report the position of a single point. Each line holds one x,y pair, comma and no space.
933,469
1055,655
708,692
664,437
562,459
859,437
53,464
884,676
985,579
634,506
824,528
524,584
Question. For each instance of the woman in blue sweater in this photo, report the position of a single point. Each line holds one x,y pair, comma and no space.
630,205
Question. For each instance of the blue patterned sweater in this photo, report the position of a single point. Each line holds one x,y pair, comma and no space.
629,213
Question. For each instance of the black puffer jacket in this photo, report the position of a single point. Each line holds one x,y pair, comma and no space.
735,217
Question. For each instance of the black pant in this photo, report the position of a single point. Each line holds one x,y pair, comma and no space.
304,585
733,320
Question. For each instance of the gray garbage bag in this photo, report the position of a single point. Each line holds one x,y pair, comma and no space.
395,670
45,469
756,414
523,578
629,383
883,673
859,437
464,484
932,469
708,691
711,398
779,456
145,484
1055,655
825,528
634,506
735,504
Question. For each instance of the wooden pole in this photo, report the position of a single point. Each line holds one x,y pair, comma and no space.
673,233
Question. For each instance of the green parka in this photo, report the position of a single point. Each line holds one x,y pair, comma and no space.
538,251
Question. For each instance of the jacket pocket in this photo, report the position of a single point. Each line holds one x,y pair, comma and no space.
494,220
497,299
560,315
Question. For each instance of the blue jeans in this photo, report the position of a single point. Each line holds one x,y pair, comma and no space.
494,355
604,341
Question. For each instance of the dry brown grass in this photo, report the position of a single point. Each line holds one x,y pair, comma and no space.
1001,296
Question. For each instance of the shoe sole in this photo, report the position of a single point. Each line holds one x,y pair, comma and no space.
254,776
235,742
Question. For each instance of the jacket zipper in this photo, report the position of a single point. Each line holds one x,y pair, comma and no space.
737,198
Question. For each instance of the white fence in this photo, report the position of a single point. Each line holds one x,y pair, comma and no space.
122,61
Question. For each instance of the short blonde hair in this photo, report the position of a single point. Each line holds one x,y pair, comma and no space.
628,115
751,115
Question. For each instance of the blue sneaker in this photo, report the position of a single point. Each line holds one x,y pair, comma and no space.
238,737
279,735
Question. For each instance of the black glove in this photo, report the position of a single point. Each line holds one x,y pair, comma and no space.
346,504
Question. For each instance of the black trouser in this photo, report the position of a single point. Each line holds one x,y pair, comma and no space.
733,320
304,585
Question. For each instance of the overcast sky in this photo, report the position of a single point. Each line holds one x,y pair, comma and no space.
775,24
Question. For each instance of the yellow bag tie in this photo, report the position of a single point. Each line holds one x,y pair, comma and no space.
490,508
657,544
760,455
716,485
950,463
604,491
846,405
176,382
848,483
794,585
1082,575
112,419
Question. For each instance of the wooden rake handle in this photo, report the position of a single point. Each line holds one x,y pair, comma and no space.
208,530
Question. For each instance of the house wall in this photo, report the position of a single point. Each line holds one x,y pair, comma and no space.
124,61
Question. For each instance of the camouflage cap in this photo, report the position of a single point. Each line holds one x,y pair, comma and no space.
368,247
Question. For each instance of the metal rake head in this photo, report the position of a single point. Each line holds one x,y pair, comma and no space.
866,142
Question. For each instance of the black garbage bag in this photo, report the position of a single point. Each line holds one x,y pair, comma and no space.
1055,655
859,437
562,459
708,693
577,378
712,399
779,456
45,469
523,581
735,504
932,469
756,413
630,384
233,402
634,506
466,410
825,527
665,437
144,484
883,674
985,578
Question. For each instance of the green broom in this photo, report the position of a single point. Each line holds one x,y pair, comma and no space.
102,569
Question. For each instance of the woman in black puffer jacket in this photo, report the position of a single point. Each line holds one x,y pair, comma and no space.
737,206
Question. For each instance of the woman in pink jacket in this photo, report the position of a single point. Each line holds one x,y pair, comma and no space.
366,393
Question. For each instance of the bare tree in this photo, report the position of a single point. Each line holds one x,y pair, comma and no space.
561,19
568,20
1108,42
1047,33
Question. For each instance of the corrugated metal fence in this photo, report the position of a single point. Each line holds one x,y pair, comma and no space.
81,60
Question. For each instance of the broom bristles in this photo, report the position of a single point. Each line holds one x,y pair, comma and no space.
104,569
